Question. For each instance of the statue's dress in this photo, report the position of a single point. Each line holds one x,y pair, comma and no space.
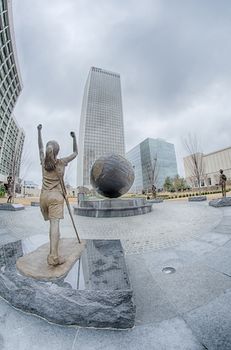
51,198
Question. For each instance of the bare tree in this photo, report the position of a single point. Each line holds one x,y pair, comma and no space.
194,161
15,160
152,170
25,163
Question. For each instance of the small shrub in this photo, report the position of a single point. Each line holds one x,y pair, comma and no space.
2,191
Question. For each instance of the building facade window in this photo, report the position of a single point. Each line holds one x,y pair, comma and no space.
154,160
11,135
101,125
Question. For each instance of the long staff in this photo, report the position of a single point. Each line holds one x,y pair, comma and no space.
68,205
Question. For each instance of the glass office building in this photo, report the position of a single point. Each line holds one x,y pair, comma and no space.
153,160
101,125
11,135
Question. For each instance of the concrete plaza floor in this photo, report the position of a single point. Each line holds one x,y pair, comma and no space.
187,310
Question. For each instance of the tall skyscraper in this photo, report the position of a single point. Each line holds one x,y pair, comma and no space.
11,135
153,160
101,125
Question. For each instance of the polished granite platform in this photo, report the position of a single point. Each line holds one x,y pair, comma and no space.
109,208
96,292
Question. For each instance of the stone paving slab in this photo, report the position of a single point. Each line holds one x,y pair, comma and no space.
226,211
215,238
151,302
157,260
192,286
173,334
6,238
219,260
211,323
22,331
224,226
197,247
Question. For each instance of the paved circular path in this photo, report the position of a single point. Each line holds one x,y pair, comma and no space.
166,226
169,224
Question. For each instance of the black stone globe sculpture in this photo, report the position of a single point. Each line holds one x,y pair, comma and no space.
112,175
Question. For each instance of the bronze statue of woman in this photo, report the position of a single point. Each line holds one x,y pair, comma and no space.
9,188
52,197
222,183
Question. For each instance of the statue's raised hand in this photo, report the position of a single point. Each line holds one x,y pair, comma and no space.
39,127
72,133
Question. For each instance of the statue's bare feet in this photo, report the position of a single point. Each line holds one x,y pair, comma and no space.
55,260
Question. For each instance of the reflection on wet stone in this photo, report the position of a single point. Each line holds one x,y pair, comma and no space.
34,263
100,283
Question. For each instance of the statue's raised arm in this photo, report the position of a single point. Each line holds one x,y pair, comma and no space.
40,143
75,149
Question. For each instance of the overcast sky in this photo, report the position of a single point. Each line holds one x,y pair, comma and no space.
174,58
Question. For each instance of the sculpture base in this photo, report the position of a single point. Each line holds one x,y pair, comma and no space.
197,199
95,293
35,204
155,200
108,208
35,264
220,202
11,206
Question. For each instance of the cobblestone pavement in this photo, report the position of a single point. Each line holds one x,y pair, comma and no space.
166,226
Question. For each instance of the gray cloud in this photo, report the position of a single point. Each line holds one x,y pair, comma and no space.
173,57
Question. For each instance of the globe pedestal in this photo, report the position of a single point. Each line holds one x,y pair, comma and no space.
108,208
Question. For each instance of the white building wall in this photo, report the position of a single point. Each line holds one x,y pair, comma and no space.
215,161
212,163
